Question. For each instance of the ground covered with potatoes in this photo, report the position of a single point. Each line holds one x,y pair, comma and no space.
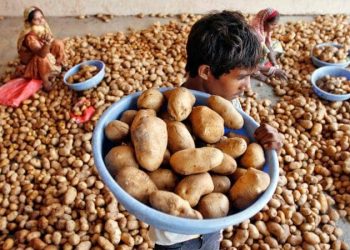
51,196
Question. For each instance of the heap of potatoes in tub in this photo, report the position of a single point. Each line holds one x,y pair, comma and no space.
180,162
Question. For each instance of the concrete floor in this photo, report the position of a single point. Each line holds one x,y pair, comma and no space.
69,26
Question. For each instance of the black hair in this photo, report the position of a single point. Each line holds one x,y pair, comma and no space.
273,19
32,13
223,41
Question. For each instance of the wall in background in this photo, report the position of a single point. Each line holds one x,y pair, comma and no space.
133,7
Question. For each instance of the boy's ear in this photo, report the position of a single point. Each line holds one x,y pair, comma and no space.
204,71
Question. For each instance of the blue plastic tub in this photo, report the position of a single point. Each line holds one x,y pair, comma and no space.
162,220
319,63
90,83
331,71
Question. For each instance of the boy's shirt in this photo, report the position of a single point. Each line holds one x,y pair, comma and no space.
165,238
236,104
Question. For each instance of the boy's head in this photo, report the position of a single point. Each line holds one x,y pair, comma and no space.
223,51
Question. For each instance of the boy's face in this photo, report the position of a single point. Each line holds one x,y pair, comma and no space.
230,85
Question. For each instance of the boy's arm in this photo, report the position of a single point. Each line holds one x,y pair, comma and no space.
269,137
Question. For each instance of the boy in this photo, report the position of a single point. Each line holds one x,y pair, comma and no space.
222,53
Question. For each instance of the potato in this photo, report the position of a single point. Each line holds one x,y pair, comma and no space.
116,130
207,124
165,179
193,187
214,205
150,138
222,184
235,147
128,116
253,157
196,160
237,174
179,137
234,135
142,113
180,103
120,157
248,188
228,166
136,182
173,204
150,99
232,118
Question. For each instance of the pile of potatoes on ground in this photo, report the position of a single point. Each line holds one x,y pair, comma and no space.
335,85
51,196
158,161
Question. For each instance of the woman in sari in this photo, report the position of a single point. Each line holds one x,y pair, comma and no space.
263,23
41,55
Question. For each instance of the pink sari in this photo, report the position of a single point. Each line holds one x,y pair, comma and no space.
258,24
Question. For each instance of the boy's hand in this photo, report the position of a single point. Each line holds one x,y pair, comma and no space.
269,137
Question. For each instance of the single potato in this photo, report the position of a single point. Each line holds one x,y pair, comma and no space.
196,160
214,205
128,116
253,157
180,103
150,99
222,184
173,204
116,130
234,135
120,157
193,187
232,118
235,147
179,137
207,124
136,182
150,138
248,188
165,179
142,113
228,166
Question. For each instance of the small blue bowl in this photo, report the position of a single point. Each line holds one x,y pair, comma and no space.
331,71
161,220
90,83
319,63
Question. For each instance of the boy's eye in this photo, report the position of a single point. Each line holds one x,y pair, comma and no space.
242,77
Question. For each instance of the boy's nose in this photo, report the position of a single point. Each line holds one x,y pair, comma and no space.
247,84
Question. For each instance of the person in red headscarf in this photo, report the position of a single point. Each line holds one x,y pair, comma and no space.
41,55
264,23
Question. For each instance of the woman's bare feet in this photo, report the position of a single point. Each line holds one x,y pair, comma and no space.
47,85
19,71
